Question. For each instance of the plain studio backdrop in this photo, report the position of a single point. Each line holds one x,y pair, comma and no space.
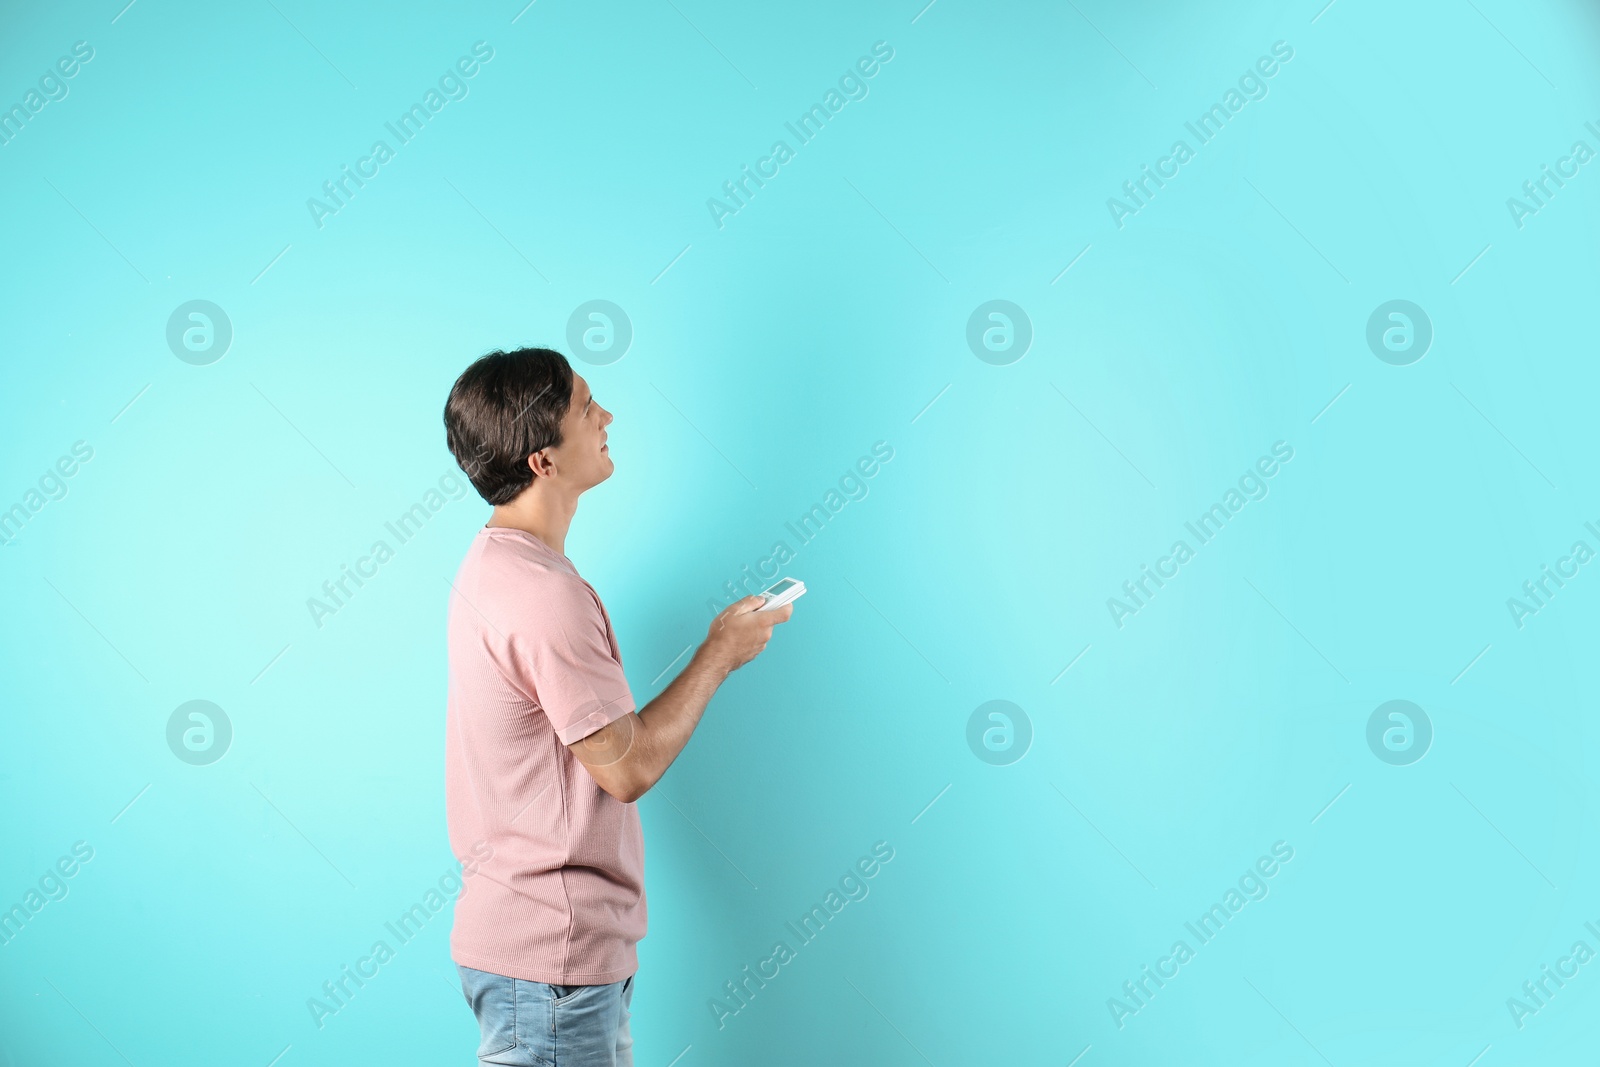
1223,376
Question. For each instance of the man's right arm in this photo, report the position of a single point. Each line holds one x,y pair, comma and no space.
629,755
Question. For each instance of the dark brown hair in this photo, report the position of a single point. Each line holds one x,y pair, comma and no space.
504,408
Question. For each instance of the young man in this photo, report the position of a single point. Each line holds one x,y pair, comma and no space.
544,754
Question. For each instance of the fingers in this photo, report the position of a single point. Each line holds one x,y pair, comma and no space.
772,616
748,604
739,607
764,621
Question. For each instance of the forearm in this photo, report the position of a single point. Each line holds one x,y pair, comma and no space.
668,721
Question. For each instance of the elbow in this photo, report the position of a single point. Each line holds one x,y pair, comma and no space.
630,790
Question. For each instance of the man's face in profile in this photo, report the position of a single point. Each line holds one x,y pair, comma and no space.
583,458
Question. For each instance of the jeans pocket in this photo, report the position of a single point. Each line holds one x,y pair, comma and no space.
565,994
494,1002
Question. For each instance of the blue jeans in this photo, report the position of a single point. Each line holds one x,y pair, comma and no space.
533,1024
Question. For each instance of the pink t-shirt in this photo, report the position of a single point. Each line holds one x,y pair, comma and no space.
534,666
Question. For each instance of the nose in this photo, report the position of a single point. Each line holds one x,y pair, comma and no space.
605,417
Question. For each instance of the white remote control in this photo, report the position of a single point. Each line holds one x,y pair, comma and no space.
786,591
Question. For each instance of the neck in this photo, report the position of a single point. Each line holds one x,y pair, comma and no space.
540,510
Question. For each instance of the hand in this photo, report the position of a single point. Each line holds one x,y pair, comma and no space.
740,632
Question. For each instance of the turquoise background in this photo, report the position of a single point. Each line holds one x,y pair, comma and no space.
768,355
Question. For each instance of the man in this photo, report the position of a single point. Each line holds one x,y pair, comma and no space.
544,754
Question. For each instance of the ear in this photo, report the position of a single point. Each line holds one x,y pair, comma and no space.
542,465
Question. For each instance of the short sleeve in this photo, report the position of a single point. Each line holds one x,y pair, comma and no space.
569,660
